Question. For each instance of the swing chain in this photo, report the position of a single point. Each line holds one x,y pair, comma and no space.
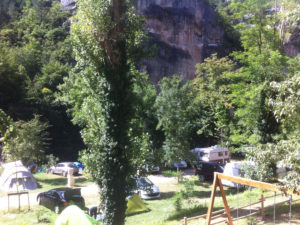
274,213
238,191
250,200
290,212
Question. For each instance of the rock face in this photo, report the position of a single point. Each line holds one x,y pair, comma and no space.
292,43
185,33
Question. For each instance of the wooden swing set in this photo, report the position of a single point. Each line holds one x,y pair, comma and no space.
218,177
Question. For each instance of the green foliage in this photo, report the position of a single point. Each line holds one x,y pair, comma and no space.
282,154
186,193
286,104
107,37
26,141
171,173
178,198
40,214
5,124
35,55
189,186
212,95
146,139
175,111
51,160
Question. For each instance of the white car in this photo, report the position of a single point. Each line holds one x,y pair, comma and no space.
180,164
150,169
63,168
146,189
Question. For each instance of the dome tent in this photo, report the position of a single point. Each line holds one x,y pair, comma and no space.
73,215
15,177
135,205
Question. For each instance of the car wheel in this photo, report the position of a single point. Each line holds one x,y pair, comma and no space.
56,209
201,178
39,200
65,174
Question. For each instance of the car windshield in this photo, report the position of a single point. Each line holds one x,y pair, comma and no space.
144,182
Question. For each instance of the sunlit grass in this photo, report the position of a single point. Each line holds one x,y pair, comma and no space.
27,217
162,211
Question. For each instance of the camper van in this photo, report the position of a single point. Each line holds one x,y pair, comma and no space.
233,169
237,169
212,154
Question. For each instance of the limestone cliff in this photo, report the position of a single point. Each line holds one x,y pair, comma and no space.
292,43
185,32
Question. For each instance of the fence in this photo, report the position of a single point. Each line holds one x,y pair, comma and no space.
222,214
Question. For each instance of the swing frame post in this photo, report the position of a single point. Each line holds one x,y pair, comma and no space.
217,182
218,177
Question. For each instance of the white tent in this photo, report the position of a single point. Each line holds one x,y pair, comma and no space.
16,177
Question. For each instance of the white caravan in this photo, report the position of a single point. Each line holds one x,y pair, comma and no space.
212,154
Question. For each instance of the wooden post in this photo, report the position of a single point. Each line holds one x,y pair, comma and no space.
212,200
8,203
70,178
19,202
225,202
28,201
262,211
184,221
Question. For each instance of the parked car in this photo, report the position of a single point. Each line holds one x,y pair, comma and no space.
205,170
150,169
59,198
180,164
146,189
63,168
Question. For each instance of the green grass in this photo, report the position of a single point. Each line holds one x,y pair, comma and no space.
172,173
161,211
49,181
34,216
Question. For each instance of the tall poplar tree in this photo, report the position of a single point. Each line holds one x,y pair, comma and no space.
107,37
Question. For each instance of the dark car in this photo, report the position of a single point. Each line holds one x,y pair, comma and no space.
205,170
57,199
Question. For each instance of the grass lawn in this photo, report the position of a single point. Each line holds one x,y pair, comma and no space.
161,211
49,181
34,216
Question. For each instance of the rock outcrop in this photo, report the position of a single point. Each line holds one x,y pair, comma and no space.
185,32
292,43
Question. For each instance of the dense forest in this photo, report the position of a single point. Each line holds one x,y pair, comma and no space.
250,97
36,55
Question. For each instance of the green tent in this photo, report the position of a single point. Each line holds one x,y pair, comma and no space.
73,215
135,205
